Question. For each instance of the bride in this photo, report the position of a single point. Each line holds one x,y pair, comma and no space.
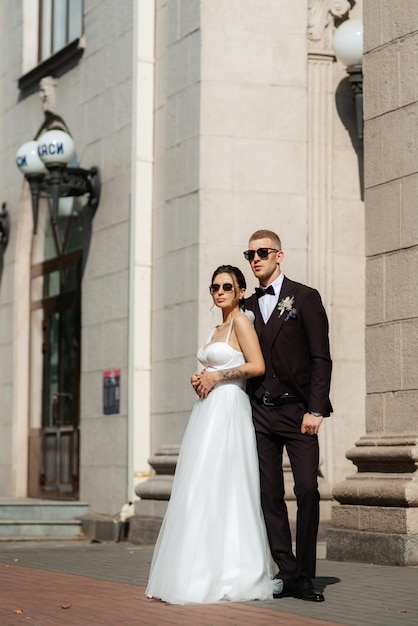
212,544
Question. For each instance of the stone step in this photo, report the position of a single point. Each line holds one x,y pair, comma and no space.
30,518
32,508
23,530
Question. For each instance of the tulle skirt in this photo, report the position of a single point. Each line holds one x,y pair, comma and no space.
212,545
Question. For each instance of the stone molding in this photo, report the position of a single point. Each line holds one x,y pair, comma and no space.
386,472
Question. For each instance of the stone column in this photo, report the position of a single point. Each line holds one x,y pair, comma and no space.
320,109
321,17
377,518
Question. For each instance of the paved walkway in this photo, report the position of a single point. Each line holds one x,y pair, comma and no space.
79,583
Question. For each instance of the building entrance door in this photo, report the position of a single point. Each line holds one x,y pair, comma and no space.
61,377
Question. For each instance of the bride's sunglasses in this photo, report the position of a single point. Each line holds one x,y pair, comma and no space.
262,253
225,287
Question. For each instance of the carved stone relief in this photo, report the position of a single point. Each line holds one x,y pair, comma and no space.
322,15
48,93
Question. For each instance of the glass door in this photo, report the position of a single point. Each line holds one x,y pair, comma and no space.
61,378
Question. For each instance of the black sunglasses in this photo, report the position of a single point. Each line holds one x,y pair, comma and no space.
262,253
225,287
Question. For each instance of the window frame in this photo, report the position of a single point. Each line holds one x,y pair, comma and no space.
58,62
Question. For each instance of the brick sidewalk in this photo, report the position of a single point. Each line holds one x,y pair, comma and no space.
39,598
105,583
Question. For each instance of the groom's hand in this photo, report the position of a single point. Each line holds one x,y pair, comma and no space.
311,424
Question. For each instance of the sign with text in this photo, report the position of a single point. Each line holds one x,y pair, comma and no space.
111,392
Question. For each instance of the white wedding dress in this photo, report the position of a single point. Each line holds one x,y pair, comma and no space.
212,544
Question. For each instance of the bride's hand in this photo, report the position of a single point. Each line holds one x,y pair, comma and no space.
207,381
194,380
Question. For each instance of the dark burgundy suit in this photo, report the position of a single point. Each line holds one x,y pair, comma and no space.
295,347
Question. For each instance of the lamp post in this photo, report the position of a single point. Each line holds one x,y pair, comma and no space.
4,234
4,227
348,48
44,164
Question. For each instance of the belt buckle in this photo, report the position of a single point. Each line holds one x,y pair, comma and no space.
266,398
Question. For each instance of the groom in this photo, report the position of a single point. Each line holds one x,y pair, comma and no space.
289,403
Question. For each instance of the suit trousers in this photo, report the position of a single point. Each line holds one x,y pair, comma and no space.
278,428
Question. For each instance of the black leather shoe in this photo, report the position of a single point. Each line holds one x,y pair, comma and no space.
304,590
288,590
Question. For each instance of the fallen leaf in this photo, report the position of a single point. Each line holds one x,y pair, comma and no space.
65,606
18,611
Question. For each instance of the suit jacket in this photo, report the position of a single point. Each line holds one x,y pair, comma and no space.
295,346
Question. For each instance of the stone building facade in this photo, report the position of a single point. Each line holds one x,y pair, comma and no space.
207,120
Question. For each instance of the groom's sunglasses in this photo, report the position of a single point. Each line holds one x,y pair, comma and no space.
262,253
225,287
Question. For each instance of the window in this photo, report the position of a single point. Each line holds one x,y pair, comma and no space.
60,23
56,45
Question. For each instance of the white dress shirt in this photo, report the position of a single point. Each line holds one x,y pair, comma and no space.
268,302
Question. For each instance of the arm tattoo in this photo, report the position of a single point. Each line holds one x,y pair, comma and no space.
234,374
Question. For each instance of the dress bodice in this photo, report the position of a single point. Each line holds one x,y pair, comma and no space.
219,355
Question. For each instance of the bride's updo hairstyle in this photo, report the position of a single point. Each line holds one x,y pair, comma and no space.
236,273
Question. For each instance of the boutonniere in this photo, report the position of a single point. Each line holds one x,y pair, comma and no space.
286,306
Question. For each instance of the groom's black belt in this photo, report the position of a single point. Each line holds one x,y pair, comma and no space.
286,398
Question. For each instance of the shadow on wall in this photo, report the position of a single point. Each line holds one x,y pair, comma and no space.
346,110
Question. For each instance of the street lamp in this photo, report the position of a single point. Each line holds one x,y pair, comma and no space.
44,164
348,48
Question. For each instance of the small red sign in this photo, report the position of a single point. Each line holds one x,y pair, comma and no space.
111,392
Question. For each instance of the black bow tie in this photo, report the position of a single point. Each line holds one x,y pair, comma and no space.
261,291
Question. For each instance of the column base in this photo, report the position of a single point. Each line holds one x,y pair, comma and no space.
154,495
373,534
377,518
143,530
